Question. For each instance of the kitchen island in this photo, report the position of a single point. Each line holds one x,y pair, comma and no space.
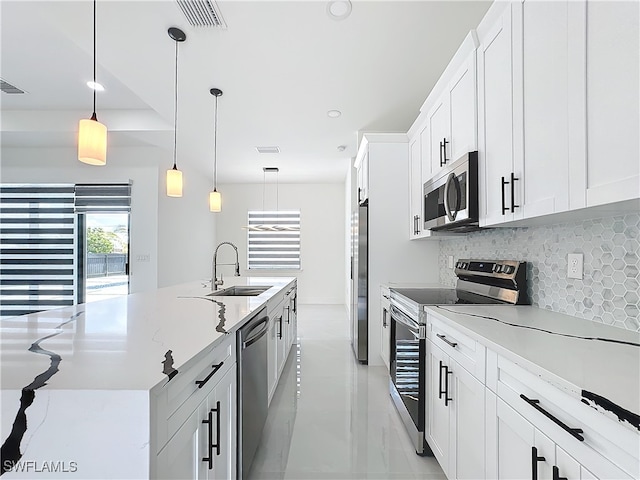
80,384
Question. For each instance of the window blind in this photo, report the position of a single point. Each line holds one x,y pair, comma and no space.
37,244
274,239
103,198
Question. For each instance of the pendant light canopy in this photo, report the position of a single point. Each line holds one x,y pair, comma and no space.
215,199
92,135
174,176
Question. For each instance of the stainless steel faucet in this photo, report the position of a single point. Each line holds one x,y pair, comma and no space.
214,279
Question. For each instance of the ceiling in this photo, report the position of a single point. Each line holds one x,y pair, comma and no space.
281,65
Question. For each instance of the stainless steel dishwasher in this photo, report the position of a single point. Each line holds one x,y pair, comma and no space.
252,388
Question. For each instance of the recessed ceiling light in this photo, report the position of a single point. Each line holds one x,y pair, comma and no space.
268,149
341,148
339,9
95,86
334,113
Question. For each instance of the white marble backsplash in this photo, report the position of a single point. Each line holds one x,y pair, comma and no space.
609,291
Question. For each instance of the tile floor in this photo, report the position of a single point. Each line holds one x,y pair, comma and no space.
332,417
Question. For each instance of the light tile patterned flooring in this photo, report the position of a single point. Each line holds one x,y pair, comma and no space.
332,417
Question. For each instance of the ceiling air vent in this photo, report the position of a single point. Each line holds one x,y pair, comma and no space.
202,13
268,149
6,87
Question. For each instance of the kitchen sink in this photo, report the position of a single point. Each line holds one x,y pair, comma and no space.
240,291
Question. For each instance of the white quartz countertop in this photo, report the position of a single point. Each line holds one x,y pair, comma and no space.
574,354
122,343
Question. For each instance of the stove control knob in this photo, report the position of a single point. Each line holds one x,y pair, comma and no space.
497,268
509,269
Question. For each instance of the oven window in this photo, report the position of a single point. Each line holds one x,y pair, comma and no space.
405,369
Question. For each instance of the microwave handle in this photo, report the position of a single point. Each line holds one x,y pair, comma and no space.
451,214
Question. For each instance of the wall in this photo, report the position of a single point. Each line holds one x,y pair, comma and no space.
322,277
176,256
609,291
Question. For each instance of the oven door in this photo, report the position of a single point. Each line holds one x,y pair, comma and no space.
408,364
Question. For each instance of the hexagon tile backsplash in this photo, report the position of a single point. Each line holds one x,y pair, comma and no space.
609,291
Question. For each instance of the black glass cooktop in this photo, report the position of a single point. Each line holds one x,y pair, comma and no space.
443,296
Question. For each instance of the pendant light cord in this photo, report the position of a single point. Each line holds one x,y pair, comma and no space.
175,111
94,117
215,147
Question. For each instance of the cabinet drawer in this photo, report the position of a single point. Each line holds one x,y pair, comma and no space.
547,407
463,349
177,399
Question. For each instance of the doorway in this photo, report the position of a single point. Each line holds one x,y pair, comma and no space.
103,262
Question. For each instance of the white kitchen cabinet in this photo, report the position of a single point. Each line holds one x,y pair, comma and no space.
272,354
455,416
524,452
452,116
500,142
385,335
612,172
415,186
362,167
204,446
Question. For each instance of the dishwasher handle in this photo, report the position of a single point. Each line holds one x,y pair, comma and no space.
253,338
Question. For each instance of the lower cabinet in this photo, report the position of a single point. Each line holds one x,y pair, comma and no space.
204,447
385,336
455,416
282,334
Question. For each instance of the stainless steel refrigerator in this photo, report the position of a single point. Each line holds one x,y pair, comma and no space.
359,284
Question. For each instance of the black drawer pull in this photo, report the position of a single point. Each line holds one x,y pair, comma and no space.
534,463
448,342
447,399
574,432
440,390
556,474
513,193
217,367
504,209
210,444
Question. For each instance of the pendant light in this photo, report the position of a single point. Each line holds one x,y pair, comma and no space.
215,199
174,176
273,227
92,135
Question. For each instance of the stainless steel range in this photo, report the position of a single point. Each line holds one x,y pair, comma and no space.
479,282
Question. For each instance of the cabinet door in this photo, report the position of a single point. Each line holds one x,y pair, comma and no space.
613,37
415,186
467,425
281,342
499,121
182,456
439,133
272,355
385,347
515,439
437,429
554,133
223,401
462,110
567,466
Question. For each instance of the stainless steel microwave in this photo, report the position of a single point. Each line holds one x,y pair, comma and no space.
451,197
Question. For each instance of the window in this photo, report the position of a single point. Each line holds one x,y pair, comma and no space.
274,240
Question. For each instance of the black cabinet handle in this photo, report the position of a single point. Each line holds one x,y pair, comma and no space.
534,463
384,318
441,162
556,474
280,330
417,224
513,193
217,367
210,444
444,151
447,399
574,432
440,390
504,209
288,319
448,342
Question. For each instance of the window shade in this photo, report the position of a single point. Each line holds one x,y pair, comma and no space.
274,239
103,198
37,244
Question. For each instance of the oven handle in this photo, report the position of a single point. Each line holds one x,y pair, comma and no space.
399,316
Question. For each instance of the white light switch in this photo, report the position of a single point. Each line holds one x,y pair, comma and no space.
145,257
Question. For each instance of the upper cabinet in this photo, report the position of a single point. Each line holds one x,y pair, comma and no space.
362,167
612,170
558,108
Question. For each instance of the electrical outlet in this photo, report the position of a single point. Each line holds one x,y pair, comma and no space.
575,265
450,260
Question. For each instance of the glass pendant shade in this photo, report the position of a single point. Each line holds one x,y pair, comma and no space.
215,201
174,183
92,142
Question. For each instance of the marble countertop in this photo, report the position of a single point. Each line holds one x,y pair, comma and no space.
576,355
122,343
